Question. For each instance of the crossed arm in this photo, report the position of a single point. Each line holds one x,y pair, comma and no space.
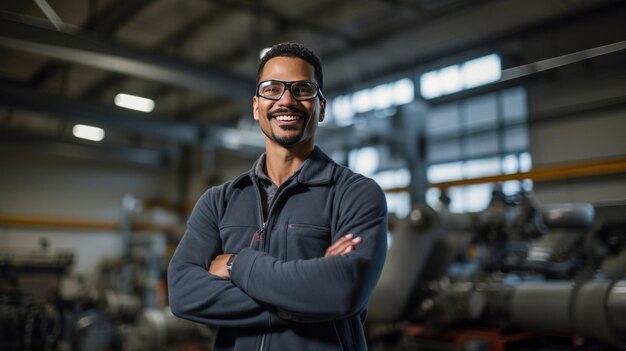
343,246
262,290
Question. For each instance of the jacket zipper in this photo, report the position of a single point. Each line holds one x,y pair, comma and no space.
260,234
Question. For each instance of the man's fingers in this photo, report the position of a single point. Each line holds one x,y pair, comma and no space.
337,245
347,250
340,244
344,245
343,239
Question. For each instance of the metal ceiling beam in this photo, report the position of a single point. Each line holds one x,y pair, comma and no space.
176,39
18,96
302,22
95,52
114,15
379,41
105,22
39,143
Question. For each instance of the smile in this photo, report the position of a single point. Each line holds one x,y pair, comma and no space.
287,118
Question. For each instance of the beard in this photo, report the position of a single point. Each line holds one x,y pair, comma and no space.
288,141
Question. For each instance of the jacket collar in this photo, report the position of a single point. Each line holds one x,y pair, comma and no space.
316,170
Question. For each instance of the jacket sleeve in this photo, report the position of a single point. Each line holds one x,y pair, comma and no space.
197,295
325,288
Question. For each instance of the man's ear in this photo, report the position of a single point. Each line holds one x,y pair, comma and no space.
255,107
322,109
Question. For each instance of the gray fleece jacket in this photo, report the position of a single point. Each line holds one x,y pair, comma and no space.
283,293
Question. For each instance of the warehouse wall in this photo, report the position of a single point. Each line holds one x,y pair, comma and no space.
44,184
579,119
47,185
595,136
50,185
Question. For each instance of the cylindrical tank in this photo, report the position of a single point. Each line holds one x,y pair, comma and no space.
542,305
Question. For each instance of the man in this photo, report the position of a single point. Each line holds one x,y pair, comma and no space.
284,257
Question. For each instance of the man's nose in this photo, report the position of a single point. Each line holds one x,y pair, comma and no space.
287,99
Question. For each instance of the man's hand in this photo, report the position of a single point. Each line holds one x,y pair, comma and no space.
218,266
343,246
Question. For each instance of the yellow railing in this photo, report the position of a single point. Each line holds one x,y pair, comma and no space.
544,173
538,174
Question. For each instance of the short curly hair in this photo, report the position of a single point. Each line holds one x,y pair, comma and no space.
288,49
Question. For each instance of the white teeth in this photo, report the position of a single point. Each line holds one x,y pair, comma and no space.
287,118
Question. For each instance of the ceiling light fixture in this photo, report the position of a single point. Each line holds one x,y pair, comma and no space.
133,102
88,132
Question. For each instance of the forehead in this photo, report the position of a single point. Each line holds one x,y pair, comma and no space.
288,69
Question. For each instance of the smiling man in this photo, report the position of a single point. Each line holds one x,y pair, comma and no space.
285,256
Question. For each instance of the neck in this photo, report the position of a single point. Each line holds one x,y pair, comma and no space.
281,162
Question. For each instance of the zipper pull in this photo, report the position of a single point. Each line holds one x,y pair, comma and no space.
259,233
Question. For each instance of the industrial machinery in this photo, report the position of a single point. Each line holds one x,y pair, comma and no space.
43,306
39,312
31,315
516,276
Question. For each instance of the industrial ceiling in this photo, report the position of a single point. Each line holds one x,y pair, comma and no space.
62,62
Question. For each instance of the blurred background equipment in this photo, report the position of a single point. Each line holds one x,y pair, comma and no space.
30,305
43,306
517,276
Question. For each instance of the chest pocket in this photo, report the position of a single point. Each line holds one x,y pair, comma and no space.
306,241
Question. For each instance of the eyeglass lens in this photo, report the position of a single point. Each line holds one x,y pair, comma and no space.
274,89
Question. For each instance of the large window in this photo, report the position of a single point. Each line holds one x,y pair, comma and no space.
452,79
381,101
481,136
342,110
374,162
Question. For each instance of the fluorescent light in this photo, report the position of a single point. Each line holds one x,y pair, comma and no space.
88,132
134,102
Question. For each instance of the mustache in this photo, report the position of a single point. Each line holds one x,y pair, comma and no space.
282,111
